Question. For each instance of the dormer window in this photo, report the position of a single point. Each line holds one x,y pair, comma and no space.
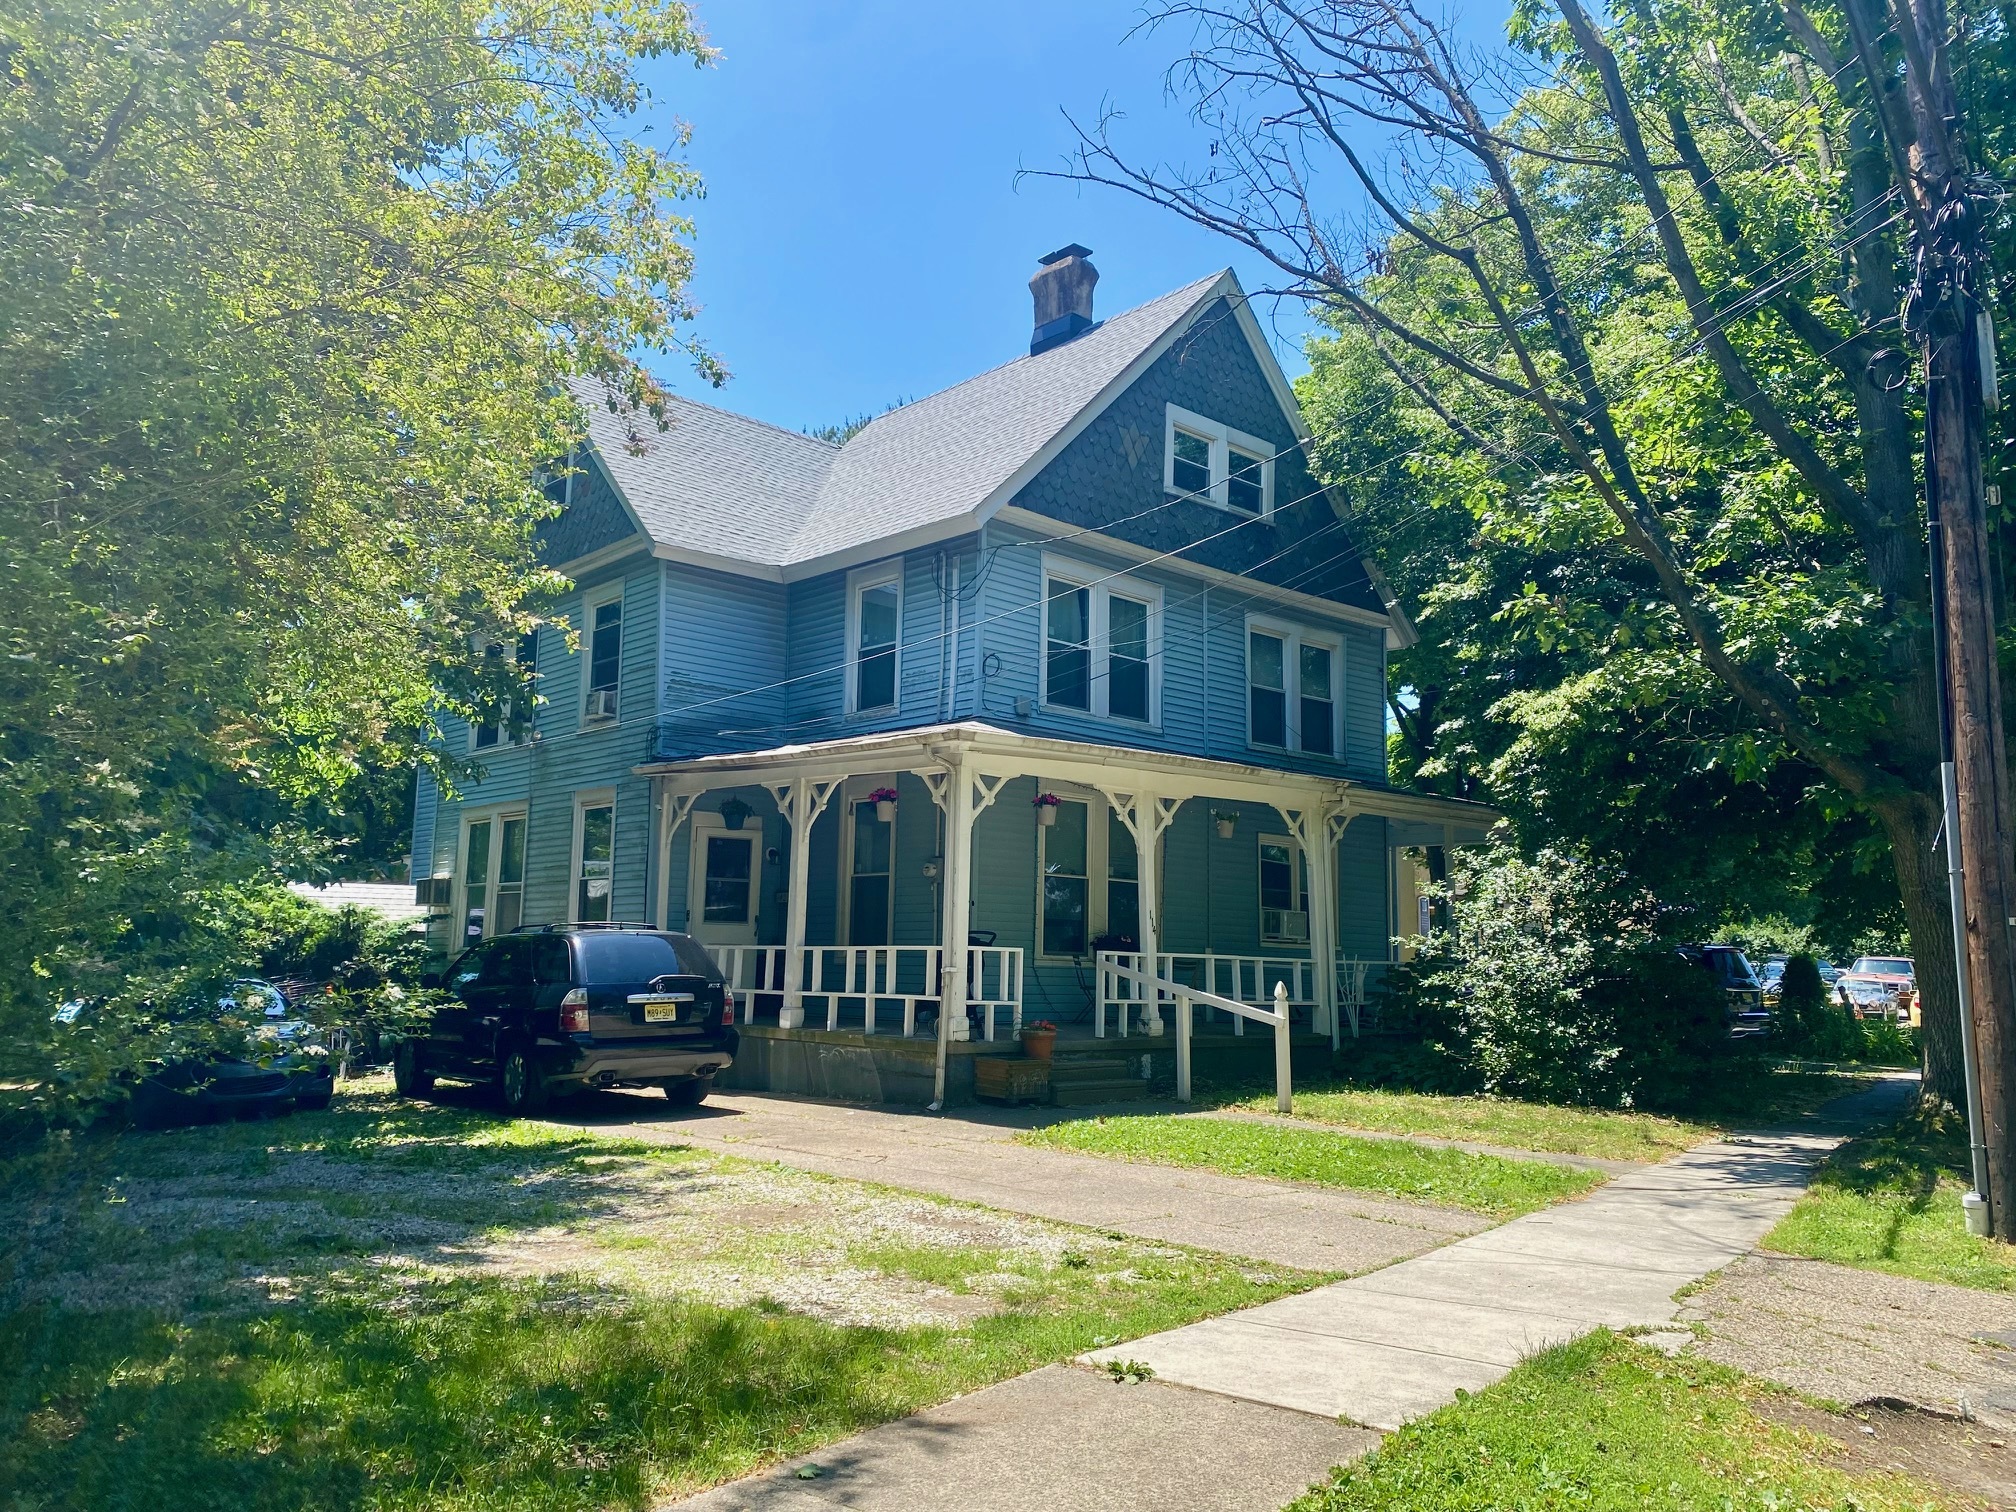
1214,464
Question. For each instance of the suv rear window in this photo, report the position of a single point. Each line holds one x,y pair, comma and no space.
640,957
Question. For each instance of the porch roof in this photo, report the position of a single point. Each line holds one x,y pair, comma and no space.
1419,818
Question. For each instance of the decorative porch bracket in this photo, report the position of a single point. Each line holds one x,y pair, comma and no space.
801,802
678,806
1146,817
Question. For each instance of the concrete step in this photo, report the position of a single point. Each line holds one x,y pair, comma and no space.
1094,1068
1089,1094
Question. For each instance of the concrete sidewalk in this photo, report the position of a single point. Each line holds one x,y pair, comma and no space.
971,1157
1061,1440
1380,1349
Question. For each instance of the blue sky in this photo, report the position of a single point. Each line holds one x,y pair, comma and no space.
863,239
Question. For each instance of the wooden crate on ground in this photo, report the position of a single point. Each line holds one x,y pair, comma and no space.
1011,1078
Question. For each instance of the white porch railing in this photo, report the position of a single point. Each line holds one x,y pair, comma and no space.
750,969
1152,990
1245,979
1351,988
876,978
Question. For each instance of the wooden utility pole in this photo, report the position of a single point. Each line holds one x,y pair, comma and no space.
1945,312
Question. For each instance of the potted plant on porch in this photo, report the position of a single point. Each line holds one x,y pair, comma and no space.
1039,1039
884,800
1045,805
1225,819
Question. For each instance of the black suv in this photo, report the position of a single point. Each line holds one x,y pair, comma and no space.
552,1010
1748,1015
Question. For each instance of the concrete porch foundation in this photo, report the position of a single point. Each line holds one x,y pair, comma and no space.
849,1066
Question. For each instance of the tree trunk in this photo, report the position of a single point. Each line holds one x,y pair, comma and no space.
1911,823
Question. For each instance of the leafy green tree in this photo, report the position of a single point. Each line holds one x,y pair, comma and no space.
290,295
1628,306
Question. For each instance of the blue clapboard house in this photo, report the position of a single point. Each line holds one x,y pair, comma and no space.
1073,666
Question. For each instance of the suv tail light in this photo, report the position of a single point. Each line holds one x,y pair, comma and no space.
728,1007
574,1011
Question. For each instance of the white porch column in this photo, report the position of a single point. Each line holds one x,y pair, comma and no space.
963,796
672,814
1313,835
1146,816
801,801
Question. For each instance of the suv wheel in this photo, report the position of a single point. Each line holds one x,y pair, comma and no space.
688,1091
408,1075
521,1085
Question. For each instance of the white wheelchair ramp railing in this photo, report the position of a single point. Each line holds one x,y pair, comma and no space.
1187,999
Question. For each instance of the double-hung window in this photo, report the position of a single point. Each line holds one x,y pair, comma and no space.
1067,879
1215,464
594,857
1293,688
525,656
493,875
1088,879
605,657
874,626
1284,892
1100,643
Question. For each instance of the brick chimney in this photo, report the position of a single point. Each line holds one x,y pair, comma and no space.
1063,291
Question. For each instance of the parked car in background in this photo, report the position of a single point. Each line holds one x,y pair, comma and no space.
1771,977
276,1064
1879,987
1744,993
550,1010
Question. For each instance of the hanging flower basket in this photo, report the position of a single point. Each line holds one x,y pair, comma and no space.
734,812
1225,819
884,800
1046,808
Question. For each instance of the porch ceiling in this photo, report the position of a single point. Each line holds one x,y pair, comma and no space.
993,752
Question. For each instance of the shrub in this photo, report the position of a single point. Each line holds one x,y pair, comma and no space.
1555,985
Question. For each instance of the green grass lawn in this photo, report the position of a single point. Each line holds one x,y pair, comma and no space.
1891,1202
1611,1134
1604,1425
1486,1184
396,1305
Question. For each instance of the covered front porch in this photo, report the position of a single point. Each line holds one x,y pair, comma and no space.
852,887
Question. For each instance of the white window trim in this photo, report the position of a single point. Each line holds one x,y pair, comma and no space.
859,581
704,825
1222,438
590,602
1104,587
856,792
585,799
494,815
1301,891
1294,638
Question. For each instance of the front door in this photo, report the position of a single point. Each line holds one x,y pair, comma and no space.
724,888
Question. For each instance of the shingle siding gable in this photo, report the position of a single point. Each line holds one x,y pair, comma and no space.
1110,477
594,517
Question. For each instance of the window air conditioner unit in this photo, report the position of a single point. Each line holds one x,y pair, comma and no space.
1289,924
436,894
601,703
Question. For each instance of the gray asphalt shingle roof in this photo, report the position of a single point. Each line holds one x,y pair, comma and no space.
728,486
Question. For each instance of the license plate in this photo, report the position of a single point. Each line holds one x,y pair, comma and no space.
661,1013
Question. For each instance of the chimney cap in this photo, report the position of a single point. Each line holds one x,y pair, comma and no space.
1073,250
